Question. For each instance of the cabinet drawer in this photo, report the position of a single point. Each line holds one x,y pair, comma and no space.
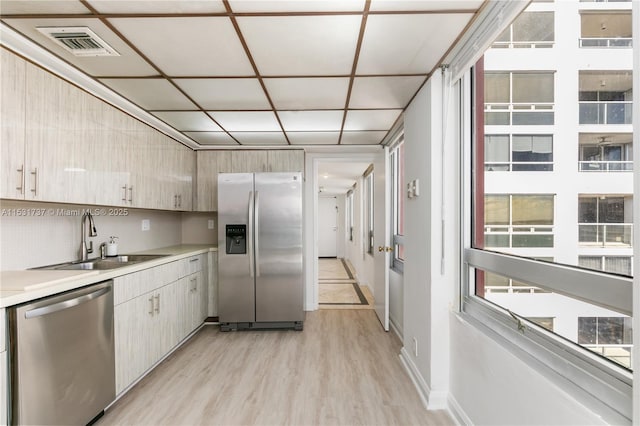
127,287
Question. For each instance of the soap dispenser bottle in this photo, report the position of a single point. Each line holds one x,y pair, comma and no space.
112,247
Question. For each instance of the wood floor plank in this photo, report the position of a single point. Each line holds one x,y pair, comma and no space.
341,370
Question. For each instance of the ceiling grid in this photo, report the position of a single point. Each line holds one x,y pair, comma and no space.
260,72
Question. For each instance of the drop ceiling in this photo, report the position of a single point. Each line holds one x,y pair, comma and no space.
260,72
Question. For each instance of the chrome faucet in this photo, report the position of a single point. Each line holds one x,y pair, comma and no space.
84,250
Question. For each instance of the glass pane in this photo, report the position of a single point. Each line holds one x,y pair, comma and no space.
496,209
496,148
532,87
496,88
533,26
532,209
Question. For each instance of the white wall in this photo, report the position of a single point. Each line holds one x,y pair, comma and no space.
396,302
31,241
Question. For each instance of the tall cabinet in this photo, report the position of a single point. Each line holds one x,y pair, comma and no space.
210,163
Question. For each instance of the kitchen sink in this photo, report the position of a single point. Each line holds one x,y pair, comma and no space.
106,263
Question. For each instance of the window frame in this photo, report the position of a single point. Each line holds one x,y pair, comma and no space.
586,376
349,213
397,194
368,202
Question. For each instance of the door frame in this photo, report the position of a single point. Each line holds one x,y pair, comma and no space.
312,159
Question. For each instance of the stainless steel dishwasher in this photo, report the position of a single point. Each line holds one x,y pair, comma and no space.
62,357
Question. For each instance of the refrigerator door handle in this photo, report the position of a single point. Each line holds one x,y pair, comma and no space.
250,235
257,232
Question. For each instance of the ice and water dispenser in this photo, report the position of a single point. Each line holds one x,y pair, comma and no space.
236,239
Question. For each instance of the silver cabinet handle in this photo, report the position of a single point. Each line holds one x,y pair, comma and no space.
124,195
180,201
65,304
151,306
35,182
21,187
194,259
131,194
157,297
194,282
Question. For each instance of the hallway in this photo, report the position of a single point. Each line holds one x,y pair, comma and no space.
341,370
338,287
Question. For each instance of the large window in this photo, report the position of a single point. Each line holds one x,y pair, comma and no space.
557,245
350,214
519,98
397,204
518,153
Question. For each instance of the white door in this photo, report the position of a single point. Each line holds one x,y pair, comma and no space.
381,237
327,226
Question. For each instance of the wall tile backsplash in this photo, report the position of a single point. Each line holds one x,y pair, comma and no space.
37,234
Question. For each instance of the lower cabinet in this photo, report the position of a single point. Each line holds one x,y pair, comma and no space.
151,323
4,371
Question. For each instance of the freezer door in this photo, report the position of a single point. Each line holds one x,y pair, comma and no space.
278,208
236,270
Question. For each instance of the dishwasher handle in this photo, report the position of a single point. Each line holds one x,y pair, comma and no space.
65,304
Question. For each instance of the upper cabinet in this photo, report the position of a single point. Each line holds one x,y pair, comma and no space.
61,144
210,163
12,105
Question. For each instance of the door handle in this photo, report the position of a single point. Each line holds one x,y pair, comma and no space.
250,235
65,304
256,225
387,249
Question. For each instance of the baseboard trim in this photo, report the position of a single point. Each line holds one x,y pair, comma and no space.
432,400
457,413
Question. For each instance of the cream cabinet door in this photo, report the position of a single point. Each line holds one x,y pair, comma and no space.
209,164
12,125
249,161
286,160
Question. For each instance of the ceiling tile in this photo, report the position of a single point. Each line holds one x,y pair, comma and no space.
302,45
129,63
313,138
308,93
246,121
247,6
165,6
301,121
225,93
381,119
415,45
362,138
195,46
260,138
211,138
397,5
42,7
188,120
383,92
150,93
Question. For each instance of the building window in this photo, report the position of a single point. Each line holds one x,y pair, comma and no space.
615,264
397,204
605,97
518,153
519,98
605,220
605,29
608,336
518,220
529,30
368,210
600,152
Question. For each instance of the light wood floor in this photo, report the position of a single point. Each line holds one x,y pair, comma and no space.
341,370
338,287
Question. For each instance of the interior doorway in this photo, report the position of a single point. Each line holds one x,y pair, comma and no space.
328,226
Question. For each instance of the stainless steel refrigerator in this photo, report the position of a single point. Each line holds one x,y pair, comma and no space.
260,251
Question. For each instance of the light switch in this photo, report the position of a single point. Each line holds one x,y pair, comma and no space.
146,224
210,224
416,188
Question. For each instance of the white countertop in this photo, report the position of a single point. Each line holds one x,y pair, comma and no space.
24,286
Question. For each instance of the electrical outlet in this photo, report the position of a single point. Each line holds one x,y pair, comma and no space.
210,224
146,224
415,347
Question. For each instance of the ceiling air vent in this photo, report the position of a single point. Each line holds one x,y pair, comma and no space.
80,41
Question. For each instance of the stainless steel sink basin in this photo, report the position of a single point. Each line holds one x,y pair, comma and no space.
106,263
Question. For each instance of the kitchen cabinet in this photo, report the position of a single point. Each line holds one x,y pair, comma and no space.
155,309
12,105
62,144
209,164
